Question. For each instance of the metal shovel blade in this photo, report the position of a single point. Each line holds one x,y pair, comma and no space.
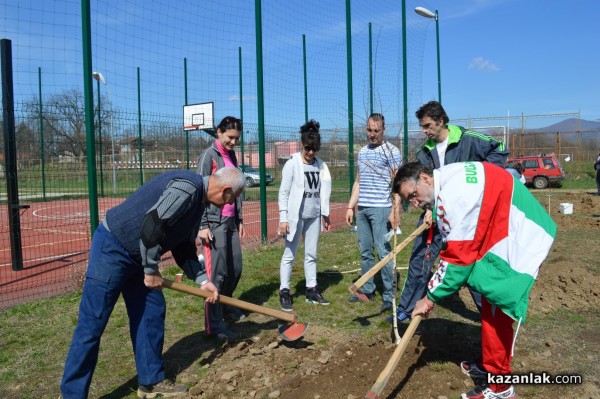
292,332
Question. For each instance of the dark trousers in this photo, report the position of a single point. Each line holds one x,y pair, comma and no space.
420,270
223,259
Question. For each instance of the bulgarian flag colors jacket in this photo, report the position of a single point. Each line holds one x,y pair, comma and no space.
496,235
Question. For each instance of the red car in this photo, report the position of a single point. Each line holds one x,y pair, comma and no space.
540,170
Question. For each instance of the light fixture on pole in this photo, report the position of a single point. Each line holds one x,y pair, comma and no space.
422,11
100,78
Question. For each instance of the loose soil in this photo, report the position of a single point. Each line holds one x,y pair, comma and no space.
563,338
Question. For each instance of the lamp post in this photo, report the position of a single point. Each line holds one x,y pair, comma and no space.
100,78
422,11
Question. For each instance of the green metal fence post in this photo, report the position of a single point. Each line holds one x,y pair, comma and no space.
89,113
405,94
241,111
42,150
100,138
10,156
370,71
350,103
261,121
140,127
439,70
305,80
241,104
187,133
405,83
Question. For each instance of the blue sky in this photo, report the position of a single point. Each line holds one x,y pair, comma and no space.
532,57
498,57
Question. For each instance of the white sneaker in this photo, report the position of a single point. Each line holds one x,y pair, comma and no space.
485,392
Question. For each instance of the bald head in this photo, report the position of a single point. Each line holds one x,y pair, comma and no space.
225,185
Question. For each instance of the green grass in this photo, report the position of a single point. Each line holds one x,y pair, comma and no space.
440,366
34,338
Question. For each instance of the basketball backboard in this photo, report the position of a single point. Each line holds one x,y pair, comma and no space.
198,116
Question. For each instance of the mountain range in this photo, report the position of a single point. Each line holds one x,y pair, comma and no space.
571,125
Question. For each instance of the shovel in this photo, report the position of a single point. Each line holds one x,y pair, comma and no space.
288,332
361,281
385,375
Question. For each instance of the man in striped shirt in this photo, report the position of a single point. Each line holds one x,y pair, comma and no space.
375,216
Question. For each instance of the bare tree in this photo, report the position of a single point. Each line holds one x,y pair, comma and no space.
63,119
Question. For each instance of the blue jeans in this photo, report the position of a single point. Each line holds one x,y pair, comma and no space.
111,272
371,227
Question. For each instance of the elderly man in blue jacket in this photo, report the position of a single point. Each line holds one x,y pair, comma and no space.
162,215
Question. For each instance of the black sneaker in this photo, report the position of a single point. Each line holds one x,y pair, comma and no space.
285,300
385,306
223,334
233,315
473,370
164,389
314,297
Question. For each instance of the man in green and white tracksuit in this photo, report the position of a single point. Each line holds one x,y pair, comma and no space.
495,238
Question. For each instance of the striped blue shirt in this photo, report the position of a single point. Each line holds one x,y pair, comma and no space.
375,168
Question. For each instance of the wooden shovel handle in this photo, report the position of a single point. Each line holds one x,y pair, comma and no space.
365,277
225,300
385,375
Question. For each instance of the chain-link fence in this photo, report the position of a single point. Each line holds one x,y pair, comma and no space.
99,89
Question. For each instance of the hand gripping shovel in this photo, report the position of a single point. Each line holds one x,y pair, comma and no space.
361,281
289,332
385,375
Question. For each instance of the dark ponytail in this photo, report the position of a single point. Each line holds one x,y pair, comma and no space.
309,134
230,122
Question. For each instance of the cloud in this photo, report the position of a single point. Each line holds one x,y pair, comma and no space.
236,97
481,64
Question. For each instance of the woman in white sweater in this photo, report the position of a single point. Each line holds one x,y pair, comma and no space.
303,200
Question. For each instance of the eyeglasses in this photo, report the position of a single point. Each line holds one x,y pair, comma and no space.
373,130
411,197
308,148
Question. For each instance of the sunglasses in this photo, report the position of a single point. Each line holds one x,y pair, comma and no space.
308,148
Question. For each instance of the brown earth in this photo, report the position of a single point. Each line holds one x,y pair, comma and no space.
563,339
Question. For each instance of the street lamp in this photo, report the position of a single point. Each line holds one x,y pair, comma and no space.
100,78
422,11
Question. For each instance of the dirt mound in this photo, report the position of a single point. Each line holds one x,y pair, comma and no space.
329,363
586,212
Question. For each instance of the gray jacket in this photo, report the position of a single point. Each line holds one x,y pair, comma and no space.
209,162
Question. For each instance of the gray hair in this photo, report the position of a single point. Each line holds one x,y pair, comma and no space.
231,176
